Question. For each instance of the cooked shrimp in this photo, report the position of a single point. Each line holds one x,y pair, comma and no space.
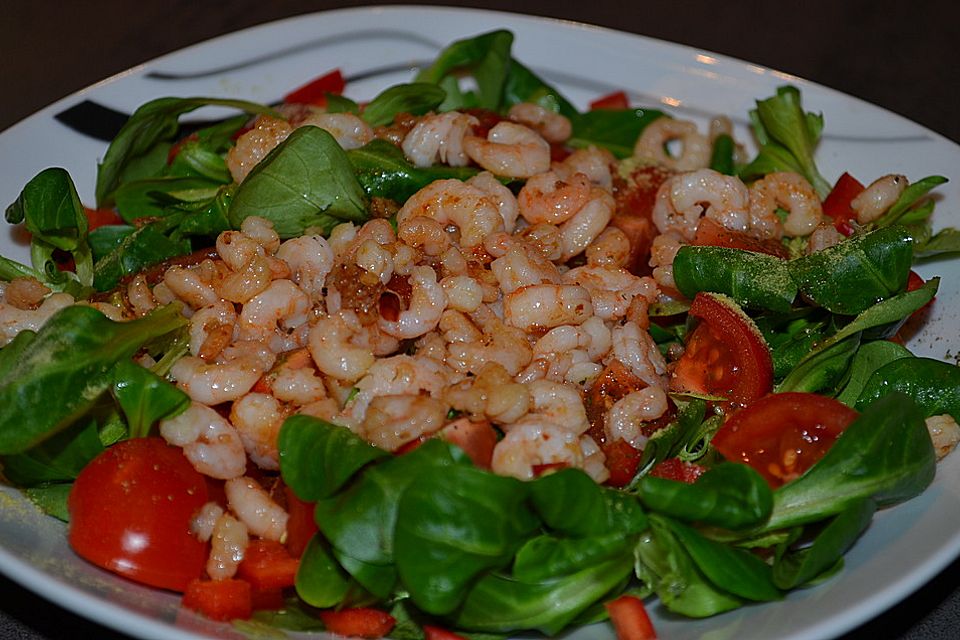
261,230
945,434
502,196
612,289
455,202
255,144
549,124
350,131
463,293
203,522
211,329
232,374
439,138
662,253
636,349
209,442
397,375
547,198
610,249
594,162
281,306
656,137
334,355
427,303
543,306
824,237
787,190
683,199
25,293
874,201
532,442
187,284
511,150
393,421
559,403
257,417
140,296
623,420
376,260
491,394
14,320
522,265
237,249
475,341
578,232
310,259
228,544
254,508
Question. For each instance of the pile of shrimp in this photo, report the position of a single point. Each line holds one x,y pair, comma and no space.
482,303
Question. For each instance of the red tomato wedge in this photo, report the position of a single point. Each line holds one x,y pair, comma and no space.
725,355
268,565
431,632
713,234
783,434
360,622
677,469
615,100
477,439
222,600
301,525
315,92
837,203
130,512
630,619
101,218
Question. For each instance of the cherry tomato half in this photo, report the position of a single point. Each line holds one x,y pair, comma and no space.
130,512
725,355
783,434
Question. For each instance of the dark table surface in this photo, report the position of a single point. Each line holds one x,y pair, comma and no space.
901,56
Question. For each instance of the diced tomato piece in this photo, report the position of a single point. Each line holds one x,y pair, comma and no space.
677,469
635,197
431,632
547,467
783,434
101,218
477,439
615,100
301,525
268,565
178,145
622,462
725,355
315,92
713,234
360,622
267,599
837,203
630,619
223,600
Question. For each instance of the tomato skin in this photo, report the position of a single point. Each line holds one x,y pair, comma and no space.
679,470
630,619
268,565
431,632
635,197
101,217
837,203
725,355
315,92
713,234
223,600
615,100
622,462
477,439
301,525
130,512
783,434
360,622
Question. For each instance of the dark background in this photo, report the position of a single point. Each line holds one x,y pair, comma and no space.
899,55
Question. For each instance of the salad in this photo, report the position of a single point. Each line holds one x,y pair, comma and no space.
469,360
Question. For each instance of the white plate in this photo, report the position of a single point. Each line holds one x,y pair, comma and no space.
903,548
